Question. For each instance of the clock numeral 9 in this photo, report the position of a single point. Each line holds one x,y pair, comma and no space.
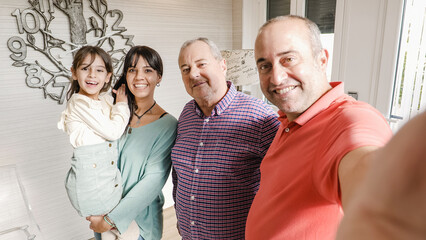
34,78
20,53
21,20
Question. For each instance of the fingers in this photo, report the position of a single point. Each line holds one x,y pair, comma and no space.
122,89
91,224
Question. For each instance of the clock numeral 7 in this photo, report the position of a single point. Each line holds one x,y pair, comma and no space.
21,20
64,86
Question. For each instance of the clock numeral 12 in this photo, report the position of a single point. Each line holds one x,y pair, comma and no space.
21,20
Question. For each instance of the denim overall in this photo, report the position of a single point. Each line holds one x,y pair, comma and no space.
93,183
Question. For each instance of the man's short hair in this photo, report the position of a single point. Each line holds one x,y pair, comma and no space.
213,48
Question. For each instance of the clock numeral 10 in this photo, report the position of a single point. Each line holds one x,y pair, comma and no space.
21,19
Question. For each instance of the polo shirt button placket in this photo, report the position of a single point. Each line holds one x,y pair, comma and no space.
287,130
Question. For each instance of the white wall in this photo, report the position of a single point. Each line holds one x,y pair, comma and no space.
28,134
365,48
254,16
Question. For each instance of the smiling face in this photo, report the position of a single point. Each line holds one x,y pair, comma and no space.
142,79
91,76
203,75
291,77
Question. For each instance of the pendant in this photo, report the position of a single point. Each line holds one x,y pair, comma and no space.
138,122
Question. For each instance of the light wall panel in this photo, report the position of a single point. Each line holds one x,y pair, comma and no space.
29,138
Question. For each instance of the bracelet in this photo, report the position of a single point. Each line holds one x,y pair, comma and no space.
109,221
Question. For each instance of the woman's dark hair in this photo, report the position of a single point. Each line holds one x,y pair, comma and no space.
131,60
79,57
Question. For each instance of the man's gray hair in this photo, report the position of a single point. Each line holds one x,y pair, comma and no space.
213,48
314,32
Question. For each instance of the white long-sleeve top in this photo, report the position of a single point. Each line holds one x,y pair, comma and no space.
89,121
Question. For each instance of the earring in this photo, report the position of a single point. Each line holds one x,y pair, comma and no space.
158,84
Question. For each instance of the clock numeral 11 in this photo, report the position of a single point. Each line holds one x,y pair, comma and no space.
21,20
41,6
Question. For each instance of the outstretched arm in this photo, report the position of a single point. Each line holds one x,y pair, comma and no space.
390,201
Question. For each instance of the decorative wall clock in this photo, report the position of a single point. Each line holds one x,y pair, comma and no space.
44,49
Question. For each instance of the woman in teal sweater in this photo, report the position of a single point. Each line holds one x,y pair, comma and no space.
144,150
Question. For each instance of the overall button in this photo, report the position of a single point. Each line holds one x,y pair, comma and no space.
110,145
112,163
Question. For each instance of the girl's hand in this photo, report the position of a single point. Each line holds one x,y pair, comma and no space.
121,94
98,224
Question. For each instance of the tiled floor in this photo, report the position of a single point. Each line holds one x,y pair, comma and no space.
169,232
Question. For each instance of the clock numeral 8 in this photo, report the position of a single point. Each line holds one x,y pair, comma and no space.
34,78
21,20
20,53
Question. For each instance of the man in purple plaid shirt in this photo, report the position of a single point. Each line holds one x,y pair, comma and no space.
222,138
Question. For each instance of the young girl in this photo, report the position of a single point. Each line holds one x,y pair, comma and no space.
93,124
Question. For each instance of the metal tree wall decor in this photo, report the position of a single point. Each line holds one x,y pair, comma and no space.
47,65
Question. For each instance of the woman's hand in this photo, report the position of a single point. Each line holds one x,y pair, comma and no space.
98,224
121,94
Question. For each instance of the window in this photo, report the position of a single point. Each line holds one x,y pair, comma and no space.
321,12
278,8
409,96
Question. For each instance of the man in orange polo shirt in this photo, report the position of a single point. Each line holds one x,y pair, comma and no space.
324,144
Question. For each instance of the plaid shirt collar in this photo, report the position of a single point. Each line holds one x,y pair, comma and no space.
222,105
